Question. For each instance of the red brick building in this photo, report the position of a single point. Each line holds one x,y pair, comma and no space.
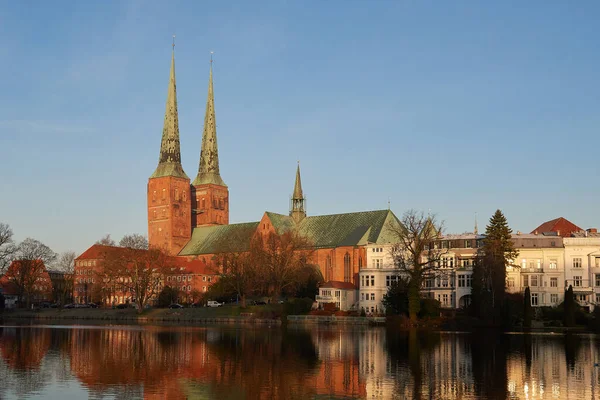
192,220
26,280
190,277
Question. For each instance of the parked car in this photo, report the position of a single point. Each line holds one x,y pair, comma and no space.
122,306
175,305
92,305
70,305
54,305
212,303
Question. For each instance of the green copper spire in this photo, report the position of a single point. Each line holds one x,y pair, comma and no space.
298,207
208,170
298,185
169,162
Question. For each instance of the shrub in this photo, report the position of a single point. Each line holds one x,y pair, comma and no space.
429,308
297,306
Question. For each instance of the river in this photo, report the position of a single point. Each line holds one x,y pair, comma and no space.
151,362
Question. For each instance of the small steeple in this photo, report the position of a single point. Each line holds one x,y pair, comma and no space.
169,162
208,170
476,231
298,207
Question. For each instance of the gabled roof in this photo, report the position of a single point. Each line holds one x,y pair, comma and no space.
323,231
98,252
219,238
338,285
561,226
349,229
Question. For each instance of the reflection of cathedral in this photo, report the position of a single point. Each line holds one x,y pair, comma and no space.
320,362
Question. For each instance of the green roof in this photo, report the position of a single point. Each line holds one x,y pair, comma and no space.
323,231
220,238
349,229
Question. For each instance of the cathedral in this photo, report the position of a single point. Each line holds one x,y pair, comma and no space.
191,218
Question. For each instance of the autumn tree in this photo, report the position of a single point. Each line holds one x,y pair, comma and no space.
7,246
134,241
27,275
139,273
415,252
283,258
489,271
106,240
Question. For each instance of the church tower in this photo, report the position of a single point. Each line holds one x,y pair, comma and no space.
169,222
210,194
298,203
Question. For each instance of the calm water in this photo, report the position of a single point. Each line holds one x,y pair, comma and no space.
123,362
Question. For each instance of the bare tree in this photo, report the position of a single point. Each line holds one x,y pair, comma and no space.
283,258
7,246
239,271
106,241
416,253
27,275
139,273
65,263
134,241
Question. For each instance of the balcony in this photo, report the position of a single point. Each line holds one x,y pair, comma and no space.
579,285
534,270
326,299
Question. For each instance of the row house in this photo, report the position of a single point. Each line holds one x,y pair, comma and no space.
556,255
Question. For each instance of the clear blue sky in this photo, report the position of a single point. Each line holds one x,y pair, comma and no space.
458,107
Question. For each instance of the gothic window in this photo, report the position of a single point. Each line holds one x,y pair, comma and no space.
203,204
154,195
347,268
328,269
176,194
154,214
164,194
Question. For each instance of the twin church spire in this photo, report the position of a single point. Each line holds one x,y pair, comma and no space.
169,162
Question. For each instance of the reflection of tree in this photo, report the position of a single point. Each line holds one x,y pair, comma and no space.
572,344
258,364
488,351
415,350
24,348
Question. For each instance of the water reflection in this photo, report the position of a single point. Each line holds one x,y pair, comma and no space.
297,363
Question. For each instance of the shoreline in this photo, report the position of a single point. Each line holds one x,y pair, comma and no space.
234,316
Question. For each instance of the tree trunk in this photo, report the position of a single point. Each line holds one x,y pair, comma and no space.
243,300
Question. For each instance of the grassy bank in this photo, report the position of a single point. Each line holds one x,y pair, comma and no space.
231,314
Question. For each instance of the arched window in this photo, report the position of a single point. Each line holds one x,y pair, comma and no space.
328,269
359,262
347,268
176,194
203,204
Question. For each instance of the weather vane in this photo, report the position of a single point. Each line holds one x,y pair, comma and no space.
211,53
173,41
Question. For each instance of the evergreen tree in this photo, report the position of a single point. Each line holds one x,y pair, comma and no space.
489,273
395,300
527,309
569,307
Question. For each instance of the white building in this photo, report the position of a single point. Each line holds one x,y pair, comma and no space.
342,294
376,277
582,267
